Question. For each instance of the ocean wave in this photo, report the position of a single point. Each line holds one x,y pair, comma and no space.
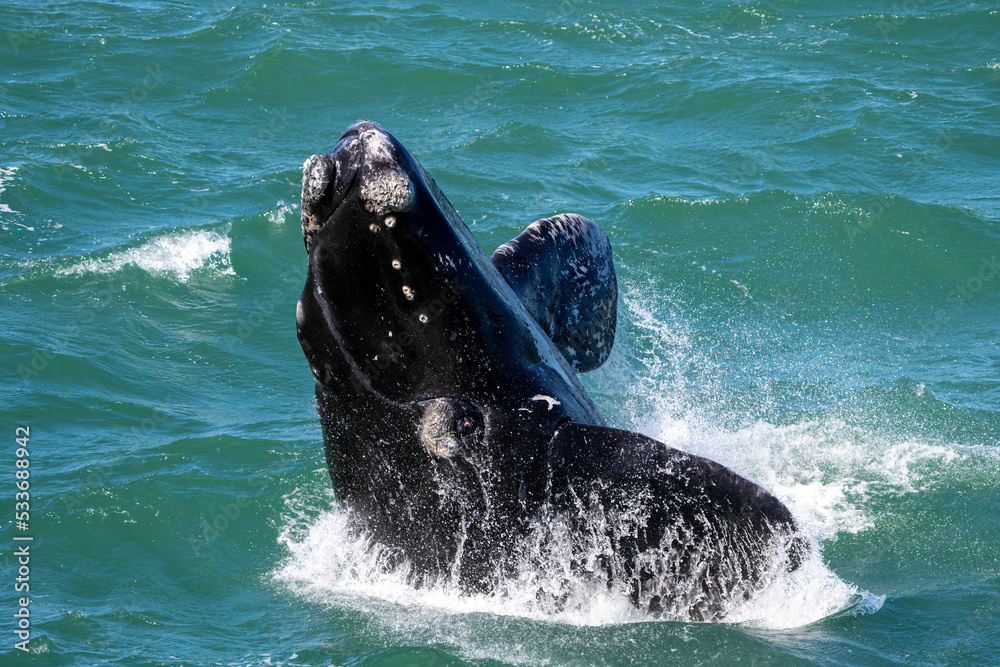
861,223
280,213
179,255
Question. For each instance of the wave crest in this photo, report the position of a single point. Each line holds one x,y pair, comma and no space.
179,255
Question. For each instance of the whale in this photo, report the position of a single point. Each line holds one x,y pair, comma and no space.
458,436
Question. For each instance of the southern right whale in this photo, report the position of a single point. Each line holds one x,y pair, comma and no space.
456,430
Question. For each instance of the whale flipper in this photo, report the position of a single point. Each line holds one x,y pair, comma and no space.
669,515
562,270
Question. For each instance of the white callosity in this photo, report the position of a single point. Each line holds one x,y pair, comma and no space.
384,186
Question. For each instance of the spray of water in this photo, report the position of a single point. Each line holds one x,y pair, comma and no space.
562,572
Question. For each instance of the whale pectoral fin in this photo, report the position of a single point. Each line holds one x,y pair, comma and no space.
706,500
562,270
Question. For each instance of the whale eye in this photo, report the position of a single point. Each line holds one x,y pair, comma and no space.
450,426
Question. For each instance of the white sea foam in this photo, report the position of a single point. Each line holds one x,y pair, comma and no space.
179,254
330,565
6,174
281,212
824,471
816,469
809,594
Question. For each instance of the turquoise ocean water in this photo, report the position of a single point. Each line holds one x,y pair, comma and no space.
804,204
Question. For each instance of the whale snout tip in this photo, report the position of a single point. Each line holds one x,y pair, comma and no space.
386,186
366,158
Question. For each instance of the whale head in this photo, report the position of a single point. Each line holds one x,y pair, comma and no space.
435,385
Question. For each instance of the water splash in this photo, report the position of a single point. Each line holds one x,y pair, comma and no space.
281,212
809,594
330,564
562,576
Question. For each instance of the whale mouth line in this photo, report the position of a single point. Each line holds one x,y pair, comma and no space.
348,188
329,219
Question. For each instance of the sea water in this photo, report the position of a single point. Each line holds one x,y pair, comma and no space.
804,205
